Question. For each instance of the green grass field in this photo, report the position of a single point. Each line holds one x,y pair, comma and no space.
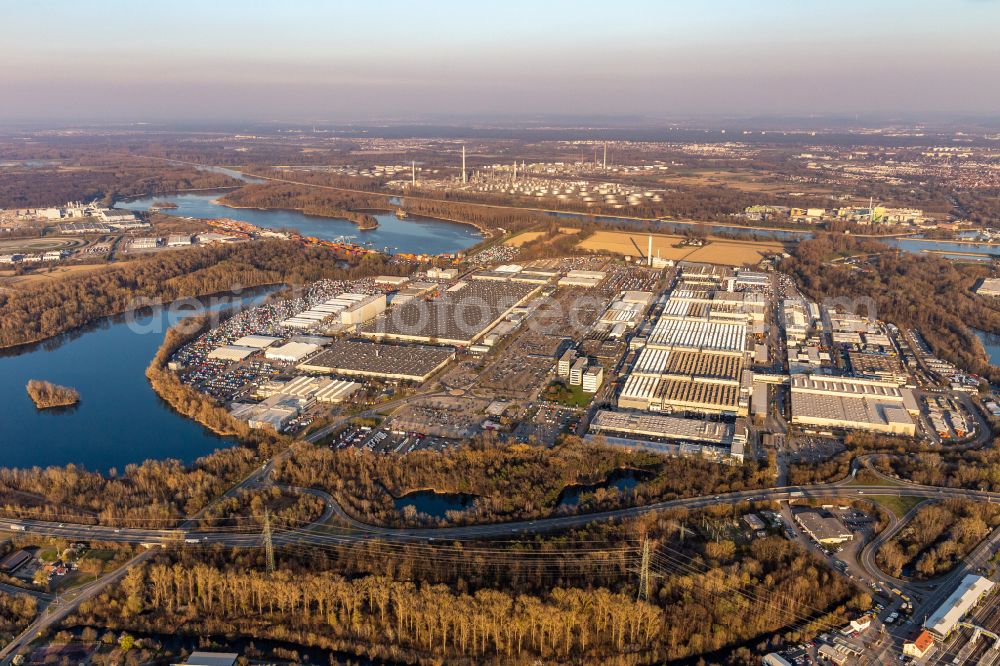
570,396
900,506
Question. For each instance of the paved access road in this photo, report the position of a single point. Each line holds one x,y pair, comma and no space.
355,530
68,602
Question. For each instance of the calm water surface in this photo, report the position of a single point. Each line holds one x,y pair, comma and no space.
991,342
119,419
410,235
436,505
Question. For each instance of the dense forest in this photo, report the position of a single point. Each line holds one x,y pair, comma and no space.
40,188
938,537
16,612
310,200
49,308
930,294
510,481
157,492
707,595
975,469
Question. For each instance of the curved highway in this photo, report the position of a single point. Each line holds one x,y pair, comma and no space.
319,533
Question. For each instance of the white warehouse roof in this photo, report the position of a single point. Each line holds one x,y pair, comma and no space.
231,353
256,341
961,601
292,351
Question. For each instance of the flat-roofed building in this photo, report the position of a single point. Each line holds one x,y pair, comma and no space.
363,309
366,358
292,352
885,367
201,658
671,435
696,335
989,287
319,389
442,273
274,413
662,426
231,352
853,403
256,341
592,378
565,363
391,280
586,282
851,413
963,599
823,527
457,317
643,298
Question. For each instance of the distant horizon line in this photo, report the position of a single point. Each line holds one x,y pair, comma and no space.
553,121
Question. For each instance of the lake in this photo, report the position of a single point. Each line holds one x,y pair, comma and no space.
435,505
416,235
991,342
119,419
623,480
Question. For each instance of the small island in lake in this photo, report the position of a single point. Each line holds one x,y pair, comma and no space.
47,394
162,205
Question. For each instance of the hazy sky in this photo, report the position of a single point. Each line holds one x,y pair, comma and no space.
377,59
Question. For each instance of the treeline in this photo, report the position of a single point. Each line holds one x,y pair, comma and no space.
50,308
16,612
832,469
938,538
930,294
246,509
194,404
555,243
392,619
511,481
706,596
974,469
485,217
155,493
309,200
35,188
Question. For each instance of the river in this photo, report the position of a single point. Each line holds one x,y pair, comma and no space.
416,235
119,419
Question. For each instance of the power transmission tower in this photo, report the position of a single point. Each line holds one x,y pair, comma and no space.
268,543
644,571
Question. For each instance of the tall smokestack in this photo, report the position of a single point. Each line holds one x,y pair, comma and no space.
515,169
413,173
463,165
605,156
649,251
